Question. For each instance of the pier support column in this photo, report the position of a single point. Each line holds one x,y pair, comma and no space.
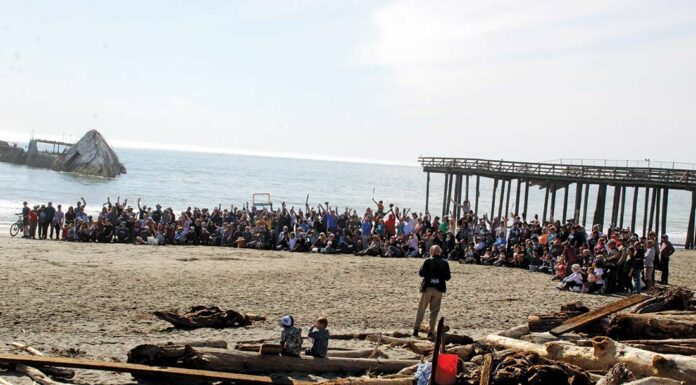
652,209
507,199
495,188
517,197
635,208
526,197
502,196
427,191
658,207
565,203
478,193
546,204
622,206
552,217
578,203
615,205
457,195
601,205
665,196
584,205
444,196
689,244
449,193
645,212
466,193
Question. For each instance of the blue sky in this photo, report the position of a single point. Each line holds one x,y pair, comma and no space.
382,80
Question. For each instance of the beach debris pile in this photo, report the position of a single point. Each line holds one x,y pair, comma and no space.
639,339
207,317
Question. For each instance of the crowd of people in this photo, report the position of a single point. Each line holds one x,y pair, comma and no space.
615,260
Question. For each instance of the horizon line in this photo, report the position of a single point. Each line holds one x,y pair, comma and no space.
128,144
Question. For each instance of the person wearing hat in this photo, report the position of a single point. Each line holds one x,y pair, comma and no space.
290,337
574,281
666,250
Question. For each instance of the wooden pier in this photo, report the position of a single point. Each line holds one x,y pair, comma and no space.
616,182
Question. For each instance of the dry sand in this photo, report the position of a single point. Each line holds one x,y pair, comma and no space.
99,298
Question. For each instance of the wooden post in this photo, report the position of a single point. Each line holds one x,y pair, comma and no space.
565,203
478,192
449,193
578,202
552,217
584,208
517,197
495,188
507,199
657,211
622,206
502,196
652,209
615,205
444,196
665,195
601,205
436,352
526,196
689,244
427,191
466,194
645,211
458,195
546,204
633,213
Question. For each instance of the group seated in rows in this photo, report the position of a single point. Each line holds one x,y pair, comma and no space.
617,260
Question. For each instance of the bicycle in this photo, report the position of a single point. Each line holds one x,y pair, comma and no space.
17,226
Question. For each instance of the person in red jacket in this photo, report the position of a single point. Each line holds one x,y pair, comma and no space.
33,221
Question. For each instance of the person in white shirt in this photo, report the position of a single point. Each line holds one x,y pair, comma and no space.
649,264
574,281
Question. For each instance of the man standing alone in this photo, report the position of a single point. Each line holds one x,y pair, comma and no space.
435,272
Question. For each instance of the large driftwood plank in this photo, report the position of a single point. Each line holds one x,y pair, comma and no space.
594,315
78,363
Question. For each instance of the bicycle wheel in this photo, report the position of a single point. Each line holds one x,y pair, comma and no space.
14,230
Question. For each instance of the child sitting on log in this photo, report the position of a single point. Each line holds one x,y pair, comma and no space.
290,337
320,338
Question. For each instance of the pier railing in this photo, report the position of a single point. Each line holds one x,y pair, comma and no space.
683,179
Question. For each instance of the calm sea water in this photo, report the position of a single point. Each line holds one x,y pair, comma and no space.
181,179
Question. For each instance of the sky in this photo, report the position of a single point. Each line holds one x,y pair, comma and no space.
371,80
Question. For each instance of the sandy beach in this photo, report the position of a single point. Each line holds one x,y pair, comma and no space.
97,299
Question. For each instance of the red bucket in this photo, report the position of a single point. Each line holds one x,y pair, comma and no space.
446,373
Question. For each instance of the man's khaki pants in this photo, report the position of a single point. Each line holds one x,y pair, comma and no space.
430,297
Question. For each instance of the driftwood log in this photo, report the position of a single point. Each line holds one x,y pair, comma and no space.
49,370
606,353
530,368
685,346
417,346
5,382
207,317
36,375
655,381
545,322
276,349
671,298
652,326
370,381
617,375
250,363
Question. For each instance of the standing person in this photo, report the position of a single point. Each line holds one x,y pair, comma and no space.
435,272
25,219
649,263
33,221
43,222
666,250
50,212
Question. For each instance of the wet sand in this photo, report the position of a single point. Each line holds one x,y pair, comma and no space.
99,298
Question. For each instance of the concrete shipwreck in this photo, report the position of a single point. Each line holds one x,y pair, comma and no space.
91,155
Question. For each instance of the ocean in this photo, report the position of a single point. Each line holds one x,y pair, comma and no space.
192,179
